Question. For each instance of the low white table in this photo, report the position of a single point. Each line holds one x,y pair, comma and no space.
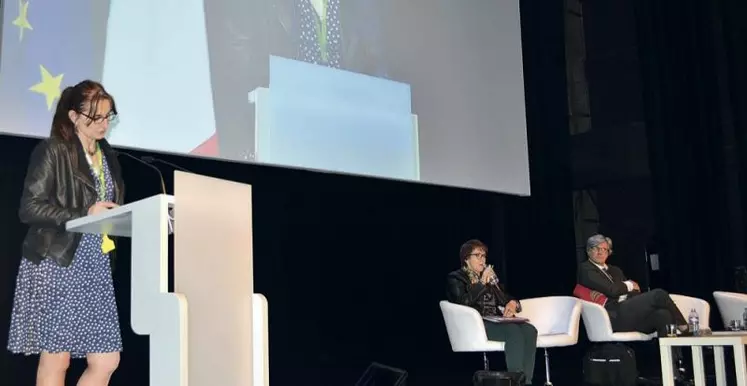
718,340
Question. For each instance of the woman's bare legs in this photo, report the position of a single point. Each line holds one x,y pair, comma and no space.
100,368
52,368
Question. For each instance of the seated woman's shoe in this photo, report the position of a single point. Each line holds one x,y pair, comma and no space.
490,378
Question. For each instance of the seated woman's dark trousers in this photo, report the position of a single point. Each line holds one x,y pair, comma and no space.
520,345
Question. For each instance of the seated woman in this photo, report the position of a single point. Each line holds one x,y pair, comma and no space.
476,285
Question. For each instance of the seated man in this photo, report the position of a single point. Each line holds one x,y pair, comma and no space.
629,309
476,285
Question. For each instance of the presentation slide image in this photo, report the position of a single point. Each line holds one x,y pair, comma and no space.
318,117
181,72
157,67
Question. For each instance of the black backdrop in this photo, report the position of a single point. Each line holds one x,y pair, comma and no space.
353,268
693,65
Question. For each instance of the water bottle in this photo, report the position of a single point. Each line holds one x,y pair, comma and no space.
693,322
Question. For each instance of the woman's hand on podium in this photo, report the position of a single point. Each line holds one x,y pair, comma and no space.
101,206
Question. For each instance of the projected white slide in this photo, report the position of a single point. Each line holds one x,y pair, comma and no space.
168,105
325,118
421,90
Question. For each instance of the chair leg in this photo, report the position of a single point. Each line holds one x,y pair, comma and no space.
547,369
485,361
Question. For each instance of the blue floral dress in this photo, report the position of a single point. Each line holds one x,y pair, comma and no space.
68,309
321,39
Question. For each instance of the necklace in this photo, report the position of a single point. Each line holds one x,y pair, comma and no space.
473,276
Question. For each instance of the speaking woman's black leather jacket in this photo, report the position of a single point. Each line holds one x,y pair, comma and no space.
58,188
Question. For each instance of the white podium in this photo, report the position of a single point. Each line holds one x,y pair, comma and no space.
209,331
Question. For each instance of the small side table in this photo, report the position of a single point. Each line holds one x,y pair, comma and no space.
720,339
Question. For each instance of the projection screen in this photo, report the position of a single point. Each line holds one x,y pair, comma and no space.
427,91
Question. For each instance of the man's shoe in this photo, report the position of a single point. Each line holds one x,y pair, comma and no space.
681,377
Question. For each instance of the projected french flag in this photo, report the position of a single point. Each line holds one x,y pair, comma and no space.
208,148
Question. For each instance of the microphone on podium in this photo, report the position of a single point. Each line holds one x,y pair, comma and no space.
160,177
151,160
138,159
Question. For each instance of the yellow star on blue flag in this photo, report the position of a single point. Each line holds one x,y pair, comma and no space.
22,21
49,87
57,37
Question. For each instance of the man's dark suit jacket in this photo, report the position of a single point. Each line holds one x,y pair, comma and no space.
592,277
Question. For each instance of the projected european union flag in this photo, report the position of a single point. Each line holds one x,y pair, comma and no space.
47,46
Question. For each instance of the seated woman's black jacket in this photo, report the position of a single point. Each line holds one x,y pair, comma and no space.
460,290
58,188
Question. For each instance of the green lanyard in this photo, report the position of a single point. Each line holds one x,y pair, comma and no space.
99,170
321,31
107,245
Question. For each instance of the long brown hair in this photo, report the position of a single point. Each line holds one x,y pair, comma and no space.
76,98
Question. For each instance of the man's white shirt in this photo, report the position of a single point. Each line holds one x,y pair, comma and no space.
628,283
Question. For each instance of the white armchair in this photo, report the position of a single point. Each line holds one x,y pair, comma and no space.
556,319
687,303
599,327
466,330
731,305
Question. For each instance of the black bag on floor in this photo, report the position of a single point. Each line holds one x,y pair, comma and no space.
498,378
610,364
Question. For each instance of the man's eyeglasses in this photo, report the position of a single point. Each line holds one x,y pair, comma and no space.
598,249
479,255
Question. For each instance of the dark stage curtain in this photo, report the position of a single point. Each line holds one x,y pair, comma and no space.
539,229
735,36
692,56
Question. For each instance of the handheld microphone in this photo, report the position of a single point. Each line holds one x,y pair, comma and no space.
160,175
493,280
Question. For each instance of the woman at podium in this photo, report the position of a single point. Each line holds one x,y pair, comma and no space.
476,285
64,305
